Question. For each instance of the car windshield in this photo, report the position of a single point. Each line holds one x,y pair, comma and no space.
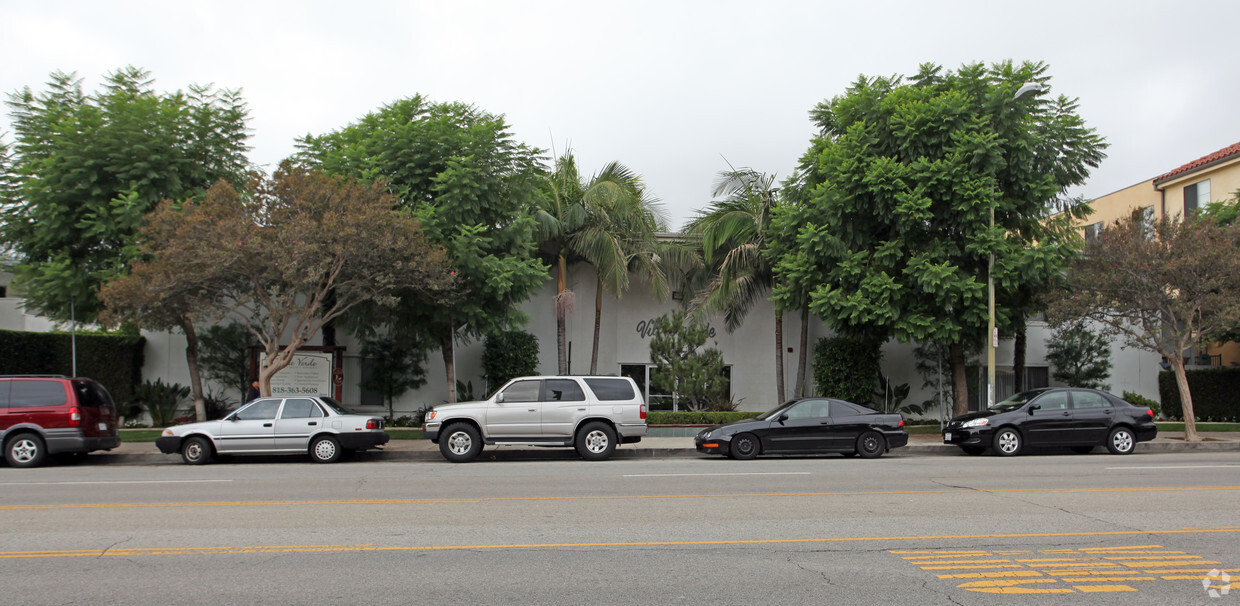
1016,401
771,415
334,405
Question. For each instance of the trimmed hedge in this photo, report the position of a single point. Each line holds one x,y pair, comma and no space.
1216,394
113,360
701,417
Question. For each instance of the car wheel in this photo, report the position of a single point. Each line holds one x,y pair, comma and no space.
325,449
1007,442
1121,441
871,445
25,450
1082,449
460,443
596,441
744,447
973,451
196,451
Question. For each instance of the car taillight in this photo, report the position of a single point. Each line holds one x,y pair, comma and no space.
1150,411
75,417
374,424
901,423
643,410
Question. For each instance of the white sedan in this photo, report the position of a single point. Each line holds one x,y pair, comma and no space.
317,426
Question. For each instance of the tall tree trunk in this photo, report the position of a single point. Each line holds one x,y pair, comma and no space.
1186,399
779,354
803,354
195,377
561,345
1018,356
446,344
598,322
329,327
956,353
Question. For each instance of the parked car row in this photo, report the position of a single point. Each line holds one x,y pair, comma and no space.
49,415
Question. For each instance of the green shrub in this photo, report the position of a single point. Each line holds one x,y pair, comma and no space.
847,367
1214,394
161,400
508,354
1140,400
114,360
701,417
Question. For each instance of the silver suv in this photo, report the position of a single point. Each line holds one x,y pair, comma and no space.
593,414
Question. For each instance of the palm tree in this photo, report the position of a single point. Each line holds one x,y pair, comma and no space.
733,232
591,221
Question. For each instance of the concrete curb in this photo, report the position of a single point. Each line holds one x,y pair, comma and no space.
625,452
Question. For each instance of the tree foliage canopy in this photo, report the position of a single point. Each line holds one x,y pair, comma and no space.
679,367
85,169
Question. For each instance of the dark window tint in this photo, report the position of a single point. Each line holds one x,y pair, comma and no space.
1053,400
840,408
300,408
92,395
1089,399
563,390
31,394
259,410
611,389
522,391
4,393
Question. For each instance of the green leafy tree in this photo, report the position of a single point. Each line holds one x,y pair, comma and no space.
1081,357
509,354
397,364
160,400
458,169
1159,287
892,238
681,367
85,169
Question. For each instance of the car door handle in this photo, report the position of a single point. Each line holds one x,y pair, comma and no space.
266,424
533,410
1066,413
312,423
580,409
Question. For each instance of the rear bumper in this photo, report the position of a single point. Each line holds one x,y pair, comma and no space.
362,440
72,440
896,439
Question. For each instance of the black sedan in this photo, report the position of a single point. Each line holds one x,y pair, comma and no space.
807,426
1076,418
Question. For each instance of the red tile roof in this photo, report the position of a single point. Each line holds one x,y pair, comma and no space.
1218,156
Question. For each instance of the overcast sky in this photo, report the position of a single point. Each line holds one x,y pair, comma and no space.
669,88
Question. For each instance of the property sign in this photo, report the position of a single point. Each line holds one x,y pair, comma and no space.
309,374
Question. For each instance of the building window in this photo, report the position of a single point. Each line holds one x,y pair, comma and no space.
640,373
1196,196
1093,231
368,397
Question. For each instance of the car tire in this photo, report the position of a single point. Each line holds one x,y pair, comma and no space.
744,447
1008,442
1082,449
196,451
871,445
973,451
25,450
596,441
325,449
460,443
1121,441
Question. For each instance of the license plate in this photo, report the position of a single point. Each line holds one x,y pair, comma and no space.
103,427
947,437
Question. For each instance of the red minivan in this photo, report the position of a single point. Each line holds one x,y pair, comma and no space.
43,415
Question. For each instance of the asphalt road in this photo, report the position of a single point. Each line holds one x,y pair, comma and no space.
1049,529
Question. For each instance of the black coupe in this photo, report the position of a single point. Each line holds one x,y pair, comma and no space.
807,426
1076,418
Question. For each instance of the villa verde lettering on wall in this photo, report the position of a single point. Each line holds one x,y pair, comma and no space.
645,329
309,374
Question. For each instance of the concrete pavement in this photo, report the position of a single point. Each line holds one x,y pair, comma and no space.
145,453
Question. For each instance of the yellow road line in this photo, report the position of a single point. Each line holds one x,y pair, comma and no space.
609,498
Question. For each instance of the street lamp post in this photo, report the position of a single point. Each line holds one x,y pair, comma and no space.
992,333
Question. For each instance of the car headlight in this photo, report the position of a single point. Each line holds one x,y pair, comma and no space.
430,416
975,423
167,432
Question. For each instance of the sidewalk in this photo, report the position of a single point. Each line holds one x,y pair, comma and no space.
145,453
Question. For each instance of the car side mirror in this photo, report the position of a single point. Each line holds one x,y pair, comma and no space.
1033,407
782,418
499,398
